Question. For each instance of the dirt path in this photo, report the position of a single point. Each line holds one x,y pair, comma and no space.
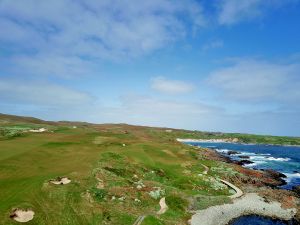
163,209
238,191
206,169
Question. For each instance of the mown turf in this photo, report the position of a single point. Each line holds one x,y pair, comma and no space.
122,157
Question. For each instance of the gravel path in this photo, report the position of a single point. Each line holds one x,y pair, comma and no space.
250,203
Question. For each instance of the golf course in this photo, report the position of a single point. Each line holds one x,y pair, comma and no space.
115,174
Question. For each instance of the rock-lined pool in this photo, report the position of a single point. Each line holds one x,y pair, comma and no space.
258,220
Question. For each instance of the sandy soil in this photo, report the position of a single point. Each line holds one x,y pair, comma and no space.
250,203
163,206
228,140
62,180
22,216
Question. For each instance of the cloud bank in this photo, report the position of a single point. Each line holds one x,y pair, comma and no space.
257,81
168,86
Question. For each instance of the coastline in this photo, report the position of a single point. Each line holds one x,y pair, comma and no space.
272,202
249,204
228,140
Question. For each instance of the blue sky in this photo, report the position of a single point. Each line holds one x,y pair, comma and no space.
215,65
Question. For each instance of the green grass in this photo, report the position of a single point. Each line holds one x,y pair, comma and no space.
89,154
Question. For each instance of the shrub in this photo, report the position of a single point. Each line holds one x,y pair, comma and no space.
157,193
98,194
176,203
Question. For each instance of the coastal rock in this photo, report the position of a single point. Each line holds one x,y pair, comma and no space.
296,189
244,162
232,152
276,176
244,157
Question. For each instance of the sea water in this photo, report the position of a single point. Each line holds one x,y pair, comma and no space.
284,159
257,220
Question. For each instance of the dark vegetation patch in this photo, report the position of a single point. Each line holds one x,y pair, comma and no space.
98,194
176,203
118,171
152,220
204,201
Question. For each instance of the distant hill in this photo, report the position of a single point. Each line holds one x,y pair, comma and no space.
5,118
167,133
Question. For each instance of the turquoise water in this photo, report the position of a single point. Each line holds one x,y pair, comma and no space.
284,159
257,220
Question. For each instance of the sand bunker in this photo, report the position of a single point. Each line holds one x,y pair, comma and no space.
61,180
41,130
22,216
163,206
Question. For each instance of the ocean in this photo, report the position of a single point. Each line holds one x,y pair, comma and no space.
284,159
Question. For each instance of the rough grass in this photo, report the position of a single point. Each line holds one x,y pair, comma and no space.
28,163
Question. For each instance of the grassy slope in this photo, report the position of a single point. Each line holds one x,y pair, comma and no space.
92,152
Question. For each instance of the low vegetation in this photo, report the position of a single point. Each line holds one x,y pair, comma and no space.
117,173
243,138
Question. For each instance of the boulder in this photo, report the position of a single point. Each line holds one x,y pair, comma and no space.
245,161
232,152
244,157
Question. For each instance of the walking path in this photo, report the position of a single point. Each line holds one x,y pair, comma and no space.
250,203
206,169
238,191
163,209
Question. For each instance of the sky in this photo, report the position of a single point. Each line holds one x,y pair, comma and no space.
210,65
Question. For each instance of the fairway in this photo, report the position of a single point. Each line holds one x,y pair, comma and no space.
130,163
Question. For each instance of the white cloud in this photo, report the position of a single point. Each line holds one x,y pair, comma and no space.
232,11
152,111
71,38
106,29
167,86
251,81
137,104
41,94
213,45
53,65
235,11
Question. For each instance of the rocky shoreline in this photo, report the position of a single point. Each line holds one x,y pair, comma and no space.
249,204
254,182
